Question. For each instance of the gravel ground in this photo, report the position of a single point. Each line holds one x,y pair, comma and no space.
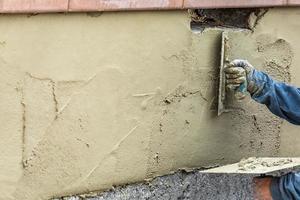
181,185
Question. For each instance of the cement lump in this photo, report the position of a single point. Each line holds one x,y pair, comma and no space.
253,163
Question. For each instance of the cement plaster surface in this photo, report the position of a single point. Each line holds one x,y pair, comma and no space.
89,102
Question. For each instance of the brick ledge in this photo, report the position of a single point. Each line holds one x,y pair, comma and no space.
43,6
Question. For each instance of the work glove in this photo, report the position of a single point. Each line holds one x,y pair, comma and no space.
239,79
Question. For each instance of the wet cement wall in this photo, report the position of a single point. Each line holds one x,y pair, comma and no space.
92,101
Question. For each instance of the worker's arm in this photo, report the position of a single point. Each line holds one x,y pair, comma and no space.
286,187
282,99
282,188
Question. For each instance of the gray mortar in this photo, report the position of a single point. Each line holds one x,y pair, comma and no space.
181,185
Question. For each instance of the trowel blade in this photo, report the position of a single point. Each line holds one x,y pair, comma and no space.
222,84
226,99
259,166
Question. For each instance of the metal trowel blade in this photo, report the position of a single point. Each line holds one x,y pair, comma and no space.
222,84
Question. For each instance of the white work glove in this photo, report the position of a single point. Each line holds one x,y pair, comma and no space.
239,78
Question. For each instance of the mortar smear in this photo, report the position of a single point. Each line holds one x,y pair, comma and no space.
253,163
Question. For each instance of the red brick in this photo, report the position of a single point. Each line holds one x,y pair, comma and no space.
33,6
39,6
103,5
233,3
293,2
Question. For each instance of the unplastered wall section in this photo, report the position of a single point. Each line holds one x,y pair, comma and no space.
91,101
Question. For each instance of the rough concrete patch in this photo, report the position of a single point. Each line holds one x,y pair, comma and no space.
180,185
274,56
278,56
245,18
181,92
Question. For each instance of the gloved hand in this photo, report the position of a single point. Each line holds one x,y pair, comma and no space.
239,78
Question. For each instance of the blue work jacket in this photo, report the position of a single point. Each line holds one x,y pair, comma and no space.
284,101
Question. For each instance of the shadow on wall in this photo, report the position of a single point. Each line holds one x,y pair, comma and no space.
244,18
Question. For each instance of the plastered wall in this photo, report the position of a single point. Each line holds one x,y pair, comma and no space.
91,101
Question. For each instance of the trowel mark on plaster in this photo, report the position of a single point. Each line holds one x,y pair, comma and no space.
78,85
53,89
55,99
149,95
144,94
179,106
56,155
36,117
194,71
23,127
35,130
111,153
178,115
60,105
114,149
180,92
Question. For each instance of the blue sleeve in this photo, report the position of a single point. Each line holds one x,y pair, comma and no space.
282,99
286,187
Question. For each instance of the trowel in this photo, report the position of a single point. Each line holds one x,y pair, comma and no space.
227,98
263,166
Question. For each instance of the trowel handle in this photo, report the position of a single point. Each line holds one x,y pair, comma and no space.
241,90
